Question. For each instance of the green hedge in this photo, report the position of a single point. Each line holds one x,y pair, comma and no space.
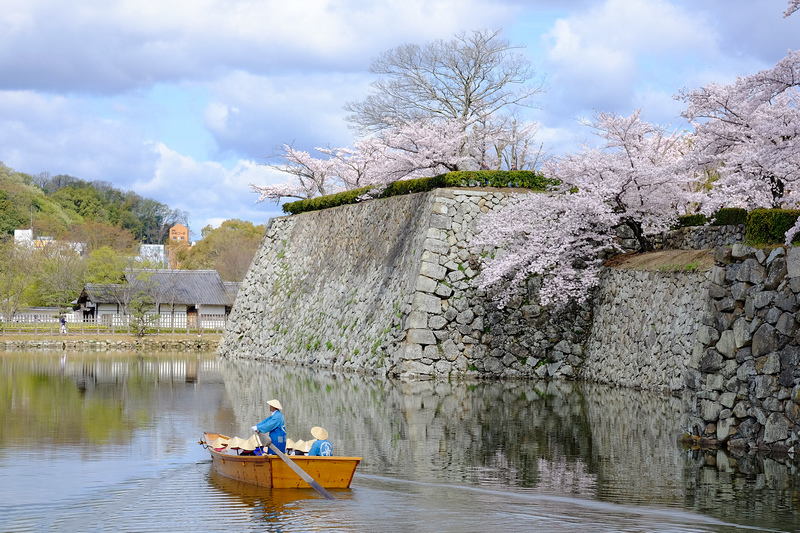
727,216
768,226
478,178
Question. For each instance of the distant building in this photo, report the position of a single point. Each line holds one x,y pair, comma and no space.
179,233
152,252
24,237
178,237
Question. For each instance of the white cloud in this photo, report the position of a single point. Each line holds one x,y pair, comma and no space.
597,57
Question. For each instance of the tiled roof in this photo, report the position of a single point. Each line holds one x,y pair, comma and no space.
179,287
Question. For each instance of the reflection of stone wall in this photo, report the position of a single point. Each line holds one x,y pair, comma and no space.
564,436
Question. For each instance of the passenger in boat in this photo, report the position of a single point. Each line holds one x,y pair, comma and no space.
274,426
322,446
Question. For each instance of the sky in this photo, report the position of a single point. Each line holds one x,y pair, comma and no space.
188,101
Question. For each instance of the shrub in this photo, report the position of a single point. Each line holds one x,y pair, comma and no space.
729,216
691,220
477,178
768,226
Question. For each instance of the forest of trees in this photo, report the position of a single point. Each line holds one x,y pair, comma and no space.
112,224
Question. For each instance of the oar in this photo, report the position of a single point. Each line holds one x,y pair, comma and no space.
297,470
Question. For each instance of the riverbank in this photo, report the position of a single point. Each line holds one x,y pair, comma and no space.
208,342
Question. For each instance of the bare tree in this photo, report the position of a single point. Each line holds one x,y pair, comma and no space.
472,76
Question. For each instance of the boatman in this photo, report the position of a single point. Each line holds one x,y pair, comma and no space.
322,446
274,426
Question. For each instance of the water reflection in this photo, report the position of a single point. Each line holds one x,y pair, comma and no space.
108,442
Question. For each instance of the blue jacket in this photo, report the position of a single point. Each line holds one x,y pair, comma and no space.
321,447
276,428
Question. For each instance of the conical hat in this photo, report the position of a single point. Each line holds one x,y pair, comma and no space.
249,444
289,444
276,404
300,445
307,445
220,443
235,443
319,433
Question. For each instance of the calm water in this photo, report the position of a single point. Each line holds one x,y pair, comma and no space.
108,442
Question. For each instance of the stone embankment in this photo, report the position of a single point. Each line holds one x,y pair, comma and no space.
744,373
386,287
144,344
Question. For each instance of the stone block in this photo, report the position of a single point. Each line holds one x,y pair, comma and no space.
763,298
727,345
492,365
776,273
741,251
776,428
711,361
421,336
786,324
426,284
437,246
741,333
765,340
450,351
412,352
431,352
440,221
443,290
722,254
724,428
417,320
772,365
432,270
793,262
465,317
739,290
709,410
437,322
427,303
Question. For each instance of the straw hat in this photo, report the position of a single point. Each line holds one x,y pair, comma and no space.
289,444
319,433
220,443
250,444
302,446
235,443
276,404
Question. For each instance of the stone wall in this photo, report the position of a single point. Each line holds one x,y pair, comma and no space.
386,287
744,373
644,327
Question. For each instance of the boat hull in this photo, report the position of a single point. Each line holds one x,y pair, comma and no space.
271,471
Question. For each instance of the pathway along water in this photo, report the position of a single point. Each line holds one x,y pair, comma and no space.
108,442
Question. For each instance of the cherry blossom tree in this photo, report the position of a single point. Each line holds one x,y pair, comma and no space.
634,180
746,136
308,177
558,236
412,150
794,5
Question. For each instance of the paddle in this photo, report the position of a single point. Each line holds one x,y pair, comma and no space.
297,470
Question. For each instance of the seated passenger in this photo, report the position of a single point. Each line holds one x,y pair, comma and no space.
322,446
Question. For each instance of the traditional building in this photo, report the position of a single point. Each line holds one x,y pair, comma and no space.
177,296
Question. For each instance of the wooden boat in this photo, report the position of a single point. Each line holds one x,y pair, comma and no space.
270,470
